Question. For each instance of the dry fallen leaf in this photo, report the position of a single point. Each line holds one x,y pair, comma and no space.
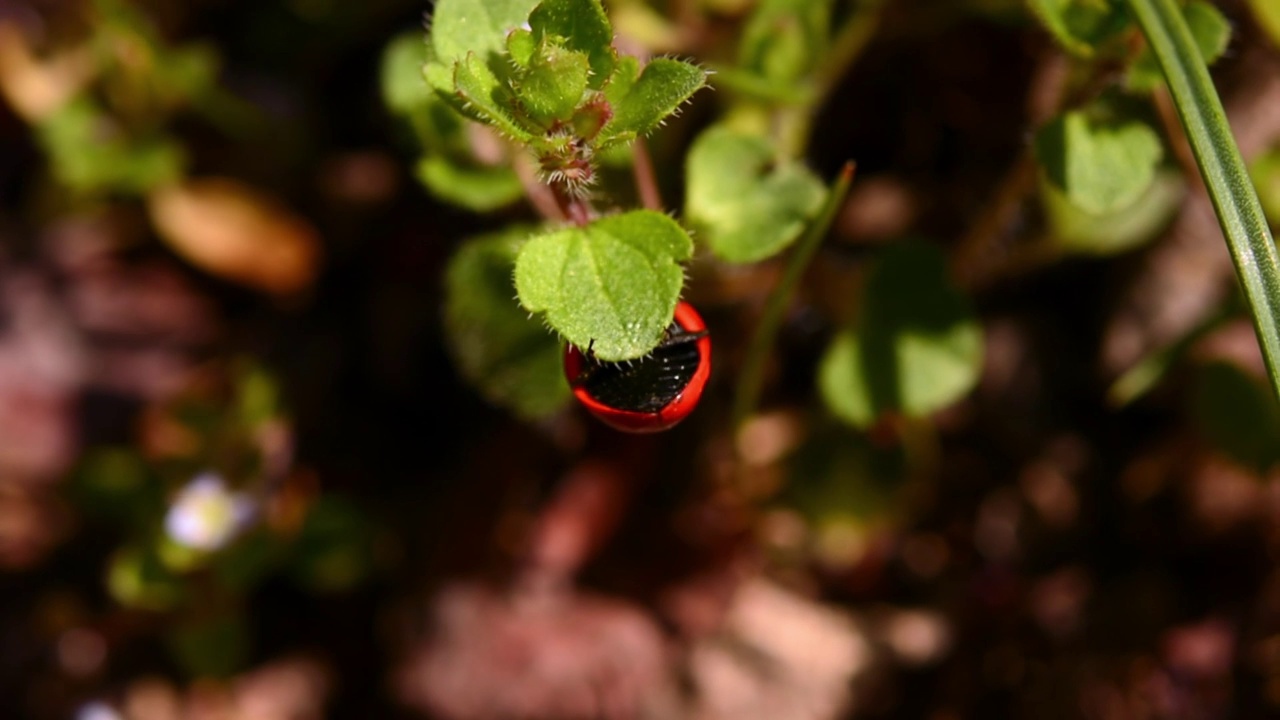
36,87
236,232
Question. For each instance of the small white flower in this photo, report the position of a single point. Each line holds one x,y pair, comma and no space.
205,515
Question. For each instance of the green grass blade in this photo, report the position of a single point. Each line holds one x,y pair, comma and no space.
1252,248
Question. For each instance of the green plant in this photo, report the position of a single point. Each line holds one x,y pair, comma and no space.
558,115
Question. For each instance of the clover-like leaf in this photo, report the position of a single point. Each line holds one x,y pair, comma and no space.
1099,165
581,25
916,349
1212,33
748,209
784,39
1081,25
511,358
640,106
611,286
1118,230
460,27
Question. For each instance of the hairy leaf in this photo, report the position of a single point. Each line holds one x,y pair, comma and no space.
661,88
583,26
611,286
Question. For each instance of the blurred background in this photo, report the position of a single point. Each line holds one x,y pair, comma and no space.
242,476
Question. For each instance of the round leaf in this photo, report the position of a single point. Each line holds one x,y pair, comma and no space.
479,26
748,211
917,348
1212,33
1100,166
611,286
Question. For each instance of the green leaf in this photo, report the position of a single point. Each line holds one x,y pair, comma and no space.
1081,25
511,358
1268,14
748,209
485,97
136,578
662,87
404,90
1118,230
460,27
553,85
1238,415
90,151
476,188
1212,33
916,349
1240,215
611,286
1265,172
784,39
521,46
582,25
1100,165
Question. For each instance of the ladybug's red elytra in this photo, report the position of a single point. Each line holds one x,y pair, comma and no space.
654,392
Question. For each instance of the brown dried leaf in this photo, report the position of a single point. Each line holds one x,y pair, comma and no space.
236,232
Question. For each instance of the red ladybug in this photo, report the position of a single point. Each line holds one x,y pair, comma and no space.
654,392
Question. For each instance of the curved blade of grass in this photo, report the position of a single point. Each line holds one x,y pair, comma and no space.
1252,248
751,379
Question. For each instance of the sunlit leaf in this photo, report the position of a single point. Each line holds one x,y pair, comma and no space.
662,87
1081,25
1117,230
459,27
1100,165
749,208
916,349
1212,33
611,286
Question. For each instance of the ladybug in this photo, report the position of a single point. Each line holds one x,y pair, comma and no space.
654,392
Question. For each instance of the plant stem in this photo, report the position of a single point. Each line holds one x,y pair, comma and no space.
752,378
646,180
1245,227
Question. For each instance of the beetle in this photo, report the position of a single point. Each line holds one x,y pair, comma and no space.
654,392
